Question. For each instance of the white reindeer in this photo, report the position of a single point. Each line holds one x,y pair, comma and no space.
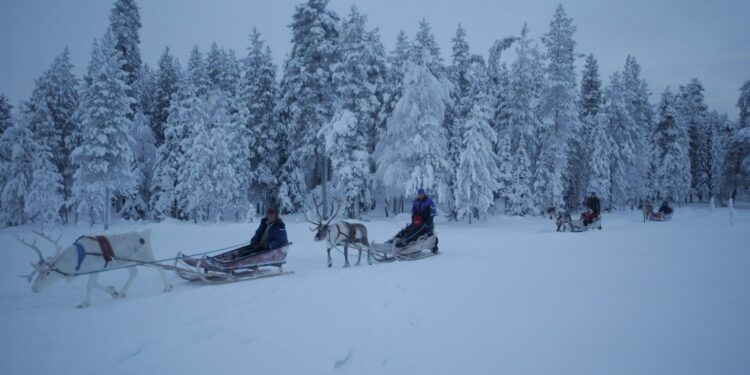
86,255
343,233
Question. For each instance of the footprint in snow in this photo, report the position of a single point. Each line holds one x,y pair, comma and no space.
342,362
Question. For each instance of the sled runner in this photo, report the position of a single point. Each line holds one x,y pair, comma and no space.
242,263
577,225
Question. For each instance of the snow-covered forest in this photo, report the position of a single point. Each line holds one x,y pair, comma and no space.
227,133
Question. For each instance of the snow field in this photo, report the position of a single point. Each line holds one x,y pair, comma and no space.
508,295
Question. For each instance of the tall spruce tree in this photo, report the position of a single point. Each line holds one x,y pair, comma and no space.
125,23
167,82
694,112
104,158
624,132
458,113
523,121
477,165
6,117
359,77
560,123
18,150
258,92
671,139
636,99
413,151
308,93
184,107
598,162
589,107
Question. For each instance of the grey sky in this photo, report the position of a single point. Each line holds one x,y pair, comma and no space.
674,40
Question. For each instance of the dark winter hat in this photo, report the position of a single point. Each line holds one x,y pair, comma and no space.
420,191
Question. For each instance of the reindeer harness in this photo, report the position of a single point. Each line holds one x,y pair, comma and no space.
104,246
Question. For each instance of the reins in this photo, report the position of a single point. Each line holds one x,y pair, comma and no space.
136,263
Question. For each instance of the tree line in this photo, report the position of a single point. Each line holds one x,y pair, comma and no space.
223,138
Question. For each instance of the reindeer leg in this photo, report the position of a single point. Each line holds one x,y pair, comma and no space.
359,257
346,254
94,283
132,271
167,284
90,285
330,262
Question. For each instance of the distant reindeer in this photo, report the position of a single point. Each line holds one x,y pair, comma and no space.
649,213
343,233
561,218
90,254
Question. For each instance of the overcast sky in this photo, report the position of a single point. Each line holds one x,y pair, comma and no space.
674,40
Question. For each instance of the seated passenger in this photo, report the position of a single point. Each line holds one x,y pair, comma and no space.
665,209
271,234
413,231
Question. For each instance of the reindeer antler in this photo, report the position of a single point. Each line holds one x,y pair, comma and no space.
38,252
315,205
49,239
32,246
334,210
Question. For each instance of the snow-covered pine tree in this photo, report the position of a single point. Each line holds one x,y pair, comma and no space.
743,104
167,82
258,90
671,139
207,182
58,88
636,100
737,159
185,105
520,200
590,101
477,165
6,117
425,44
104,157
349,161
413,151
523,121
623,130
720,131
216,66
499,89
589,106
598,164
359,78
457,115
125,21
138,204
694,112
17,148
397,62
44,199
560,120
307,92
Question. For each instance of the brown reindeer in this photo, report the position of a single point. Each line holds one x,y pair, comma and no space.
344,233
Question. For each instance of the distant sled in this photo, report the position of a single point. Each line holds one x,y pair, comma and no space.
566,224
650,215
242,263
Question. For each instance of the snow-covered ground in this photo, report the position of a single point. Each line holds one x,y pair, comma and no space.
506,296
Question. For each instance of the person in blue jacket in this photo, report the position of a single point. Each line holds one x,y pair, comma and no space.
424,207
271,233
